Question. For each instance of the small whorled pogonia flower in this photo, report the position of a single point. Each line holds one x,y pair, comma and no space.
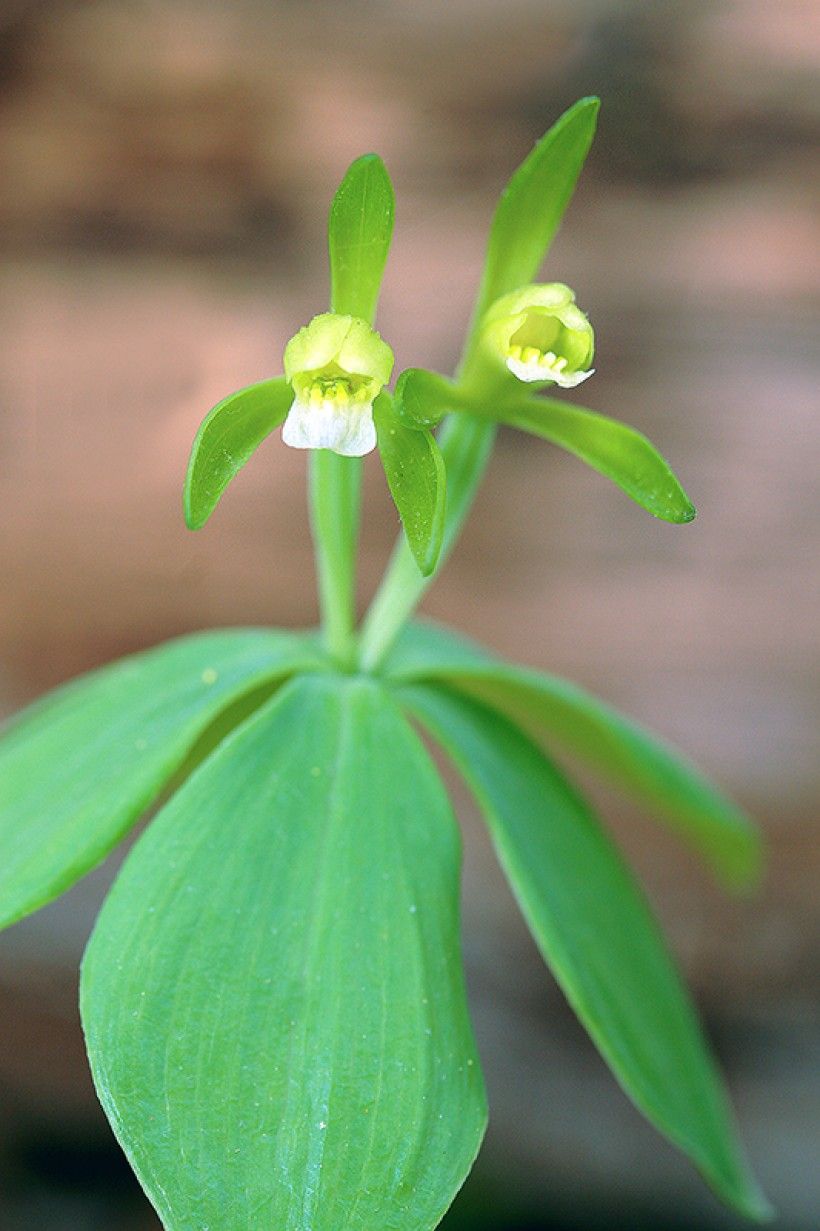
337,365
540,334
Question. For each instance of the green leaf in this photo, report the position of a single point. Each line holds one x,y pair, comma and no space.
416,477
273,997
228,436
597,934
571,720
360,227
423,398
612,448
78,768
533,203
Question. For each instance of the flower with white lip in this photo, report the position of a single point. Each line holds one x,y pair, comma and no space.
337,365
541,335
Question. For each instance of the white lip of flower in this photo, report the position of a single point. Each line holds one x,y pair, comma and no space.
337,366
540,335
328,412
529,364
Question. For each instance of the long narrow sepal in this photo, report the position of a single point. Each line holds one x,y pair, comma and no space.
614,449
414,468
532,204
228,437
360,227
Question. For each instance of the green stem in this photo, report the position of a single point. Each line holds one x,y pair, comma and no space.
466,443
335,497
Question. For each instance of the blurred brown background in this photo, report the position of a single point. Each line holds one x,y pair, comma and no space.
164,175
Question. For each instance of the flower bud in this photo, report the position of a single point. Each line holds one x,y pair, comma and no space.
337,366
540,334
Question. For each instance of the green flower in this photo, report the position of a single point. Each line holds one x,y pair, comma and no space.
540,334
337,365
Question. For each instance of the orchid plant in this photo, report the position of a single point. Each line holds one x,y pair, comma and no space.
273,997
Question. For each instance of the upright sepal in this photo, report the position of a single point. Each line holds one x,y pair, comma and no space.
533,203
273,996
360,227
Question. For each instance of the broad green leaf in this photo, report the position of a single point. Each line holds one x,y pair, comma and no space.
273,996
228,436
79,767
360,227
532,204
423,398
572,721
416,477
597,934
613,449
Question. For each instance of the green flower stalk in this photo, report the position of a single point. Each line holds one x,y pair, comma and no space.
337,366
540,335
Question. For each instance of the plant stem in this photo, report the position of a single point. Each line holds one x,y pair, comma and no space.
466,443
335,497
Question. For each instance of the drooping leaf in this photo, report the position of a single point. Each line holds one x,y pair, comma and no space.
613,449
573,721
273,996
597,934
532,204
78,768
228,436
417,480
360,227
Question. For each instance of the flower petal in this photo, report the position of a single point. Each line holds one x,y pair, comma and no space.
324,425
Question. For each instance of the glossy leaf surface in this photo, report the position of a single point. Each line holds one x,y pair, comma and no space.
360,228
414,468
597,934
533,203
78,768
228,436
273,996
613,449
573,721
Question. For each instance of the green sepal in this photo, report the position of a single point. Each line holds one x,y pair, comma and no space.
532,205
614,449
79,767
422,399
414,468
228,437
273,996
572,721
360,227
597,934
